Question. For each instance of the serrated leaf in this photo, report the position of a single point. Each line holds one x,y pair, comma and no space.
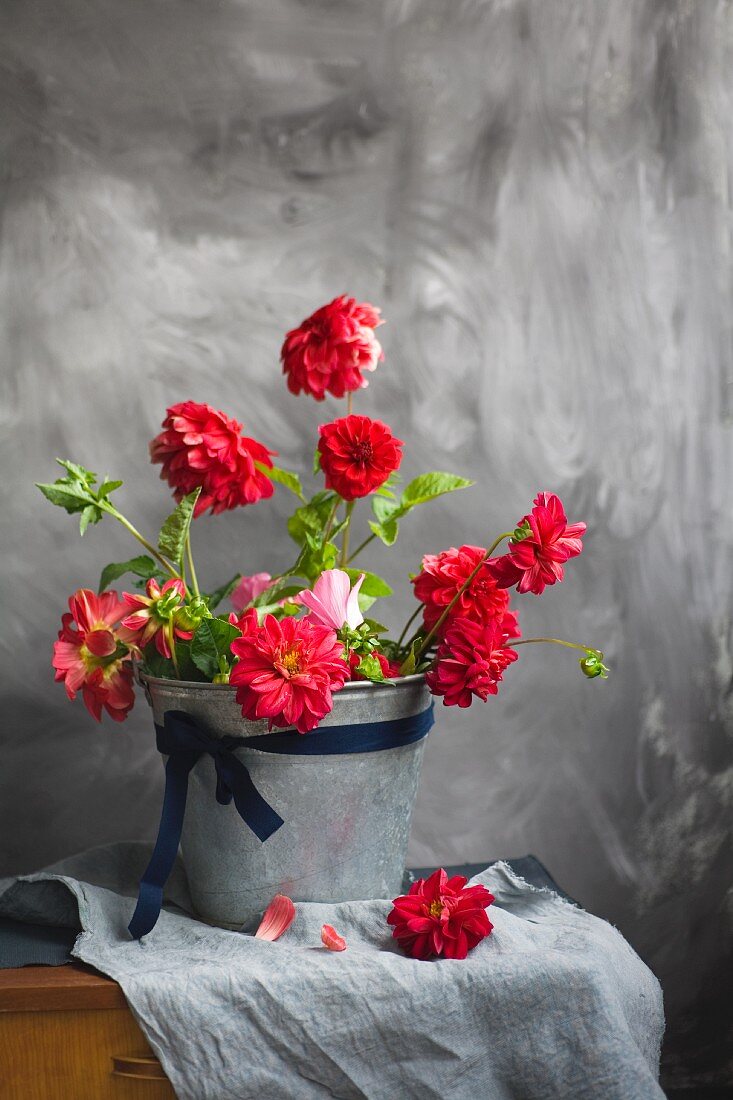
287,478
372,585
222,592
211,641
70,495
142,566
370,667
376,627
308,522
77,472
276,592
108,487
429,486
172,539
387,532
91,514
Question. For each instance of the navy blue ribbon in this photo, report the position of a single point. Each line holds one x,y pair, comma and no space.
183,741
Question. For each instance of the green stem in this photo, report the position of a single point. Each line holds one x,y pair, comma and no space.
474,573
331,518
170,630
409,623
347,528
556,641
189,555
349,403
361,547
141,539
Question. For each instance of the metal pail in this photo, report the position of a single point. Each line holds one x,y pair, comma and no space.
347,817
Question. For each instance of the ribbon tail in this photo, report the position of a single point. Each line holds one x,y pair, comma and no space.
150,896
253,809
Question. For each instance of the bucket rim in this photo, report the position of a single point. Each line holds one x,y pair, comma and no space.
351,685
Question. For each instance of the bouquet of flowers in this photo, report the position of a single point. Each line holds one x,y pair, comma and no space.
292,640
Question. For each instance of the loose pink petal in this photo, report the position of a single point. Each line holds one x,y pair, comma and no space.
278,917
331,939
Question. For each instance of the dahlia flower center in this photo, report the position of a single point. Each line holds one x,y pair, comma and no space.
290,662
435,909
363,452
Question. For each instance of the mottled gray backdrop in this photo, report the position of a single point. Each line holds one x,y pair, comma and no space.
538,195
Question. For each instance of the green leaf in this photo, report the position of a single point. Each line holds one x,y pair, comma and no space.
142,566
387,532
276,592
211,641
78,473
221,593
172,539
71,495
316,462
287,478
370,667
308,522
383,509
108,487
429,486
376,627
313,560
91,514
372,585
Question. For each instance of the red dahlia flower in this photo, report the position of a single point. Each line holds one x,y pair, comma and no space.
357,455
470,661
441,916
443,574
287,672
201,447
92,653
329,350
154,615
548,541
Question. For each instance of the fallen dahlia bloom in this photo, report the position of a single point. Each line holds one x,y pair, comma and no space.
443,574
328,352
248,589
547,541
154,615
441,916
92,654
287,672
357,455
470,661
200,447
332,601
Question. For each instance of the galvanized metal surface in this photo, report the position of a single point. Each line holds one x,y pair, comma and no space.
347,818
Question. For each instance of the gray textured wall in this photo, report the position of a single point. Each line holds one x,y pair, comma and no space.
538,194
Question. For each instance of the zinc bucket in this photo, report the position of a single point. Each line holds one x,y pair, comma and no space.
346,816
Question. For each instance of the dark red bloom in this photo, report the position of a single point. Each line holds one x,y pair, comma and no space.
441,916
470,661
357,455
537,559
483,601
329,350
201,447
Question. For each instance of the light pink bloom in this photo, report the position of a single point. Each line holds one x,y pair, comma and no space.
248,589
331,939
278,917
332,601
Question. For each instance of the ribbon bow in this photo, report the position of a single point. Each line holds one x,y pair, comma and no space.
183,741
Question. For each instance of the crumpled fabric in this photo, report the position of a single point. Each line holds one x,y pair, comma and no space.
553,1004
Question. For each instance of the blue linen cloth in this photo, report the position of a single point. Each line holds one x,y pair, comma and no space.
554,1003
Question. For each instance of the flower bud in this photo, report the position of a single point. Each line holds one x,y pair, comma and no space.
193,614
523,531
592,665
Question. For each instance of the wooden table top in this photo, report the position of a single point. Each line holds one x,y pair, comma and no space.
56,988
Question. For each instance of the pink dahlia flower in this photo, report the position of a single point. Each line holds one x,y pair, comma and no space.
470,661
536,560
154,615
443,574
201,447
441,916
287,672
328,352
92,653
248,589
332,601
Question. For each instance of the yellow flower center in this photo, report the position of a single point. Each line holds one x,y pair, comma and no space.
435,909
291,662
